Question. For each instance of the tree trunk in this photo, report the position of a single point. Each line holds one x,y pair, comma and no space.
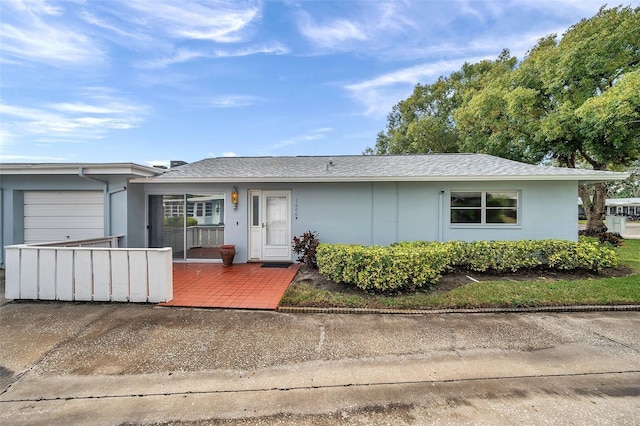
594,207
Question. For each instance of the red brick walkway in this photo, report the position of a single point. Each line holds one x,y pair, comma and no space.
243,286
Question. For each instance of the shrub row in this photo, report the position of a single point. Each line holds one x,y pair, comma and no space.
411,265
382,269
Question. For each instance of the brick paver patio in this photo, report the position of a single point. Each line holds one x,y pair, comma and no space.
241,286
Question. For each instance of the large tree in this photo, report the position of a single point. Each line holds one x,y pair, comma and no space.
573,101
424,123
629,188
589,91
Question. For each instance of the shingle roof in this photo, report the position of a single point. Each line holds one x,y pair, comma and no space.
428,167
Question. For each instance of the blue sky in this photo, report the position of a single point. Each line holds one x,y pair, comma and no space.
149,81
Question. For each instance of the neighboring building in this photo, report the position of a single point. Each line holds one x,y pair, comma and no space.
629,207
56,202
260,203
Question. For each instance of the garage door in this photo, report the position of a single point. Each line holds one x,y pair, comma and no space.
63,215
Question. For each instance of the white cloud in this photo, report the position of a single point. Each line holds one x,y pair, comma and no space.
37,31
465,7
114,30
179,56
73,121
185,55
27,158
224,154
5,137
38,7
333,34
272,49
220,21
313,135
233,101
379,94
369,27
162,163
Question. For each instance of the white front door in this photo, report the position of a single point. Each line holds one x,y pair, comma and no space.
270,225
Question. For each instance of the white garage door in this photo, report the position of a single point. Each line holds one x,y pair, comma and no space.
63,215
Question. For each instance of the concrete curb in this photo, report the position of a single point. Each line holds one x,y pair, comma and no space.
336,310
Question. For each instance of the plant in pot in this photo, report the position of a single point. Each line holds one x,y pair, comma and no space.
227,251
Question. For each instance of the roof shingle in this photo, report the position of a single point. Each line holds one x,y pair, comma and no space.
427,167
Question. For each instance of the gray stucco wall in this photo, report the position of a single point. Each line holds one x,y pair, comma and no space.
382,213
385,212
356,212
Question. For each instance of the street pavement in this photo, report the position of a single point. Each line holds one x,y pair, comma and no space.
118,364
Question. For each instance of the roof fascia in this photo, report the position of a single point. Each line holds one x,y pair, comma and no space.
128,169
303,179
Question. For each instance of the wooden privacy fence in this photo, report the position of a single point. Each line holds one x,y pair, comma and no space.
38,272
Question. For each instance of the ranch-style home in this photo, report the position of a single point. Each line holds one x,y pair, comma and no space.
258,204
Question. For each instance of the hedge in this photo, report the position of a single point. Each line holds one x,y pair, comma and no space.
410,265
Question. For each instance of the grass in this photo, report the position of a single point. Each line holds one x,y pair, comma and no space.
503,293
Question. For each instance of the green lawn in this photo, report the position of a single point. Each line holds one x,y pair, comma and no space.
602,291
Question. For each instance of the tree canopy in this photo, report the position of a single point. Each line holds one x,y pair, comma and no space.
573,100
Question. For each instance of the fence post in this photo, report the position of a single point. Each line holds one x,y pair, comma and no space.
12,273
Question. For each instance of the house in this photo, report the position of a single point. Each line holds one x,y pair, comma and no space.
260,203
629,207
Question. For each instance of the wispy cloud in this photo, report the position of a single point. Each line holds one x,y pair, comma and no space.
38,31
379,94
117,30
220,21
73,121
185,55
233,101
25,158
179,56
313,135
334,34
271,49
369,27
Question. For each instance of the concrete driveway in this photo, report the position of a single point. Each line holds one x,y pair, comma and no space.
110,364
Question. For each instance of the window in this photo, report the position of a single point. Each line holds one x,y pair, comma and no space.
484,207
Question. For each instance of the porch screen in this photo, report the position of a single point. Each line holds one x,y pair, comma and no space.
191,224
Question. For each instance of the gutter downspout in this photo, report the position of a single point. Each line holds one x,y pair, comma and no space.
440,224
107,198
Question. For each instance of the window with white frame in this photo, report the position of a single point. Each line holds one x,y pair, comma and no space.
484,207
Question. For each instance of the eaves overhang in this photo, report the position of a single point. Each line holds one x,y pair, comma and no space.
324,179
126,169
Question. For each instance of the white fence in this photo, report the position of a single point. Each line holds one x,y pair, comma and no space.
38,272
111,242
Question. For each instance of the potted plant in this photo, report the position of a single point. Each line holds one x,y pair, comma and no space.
227,251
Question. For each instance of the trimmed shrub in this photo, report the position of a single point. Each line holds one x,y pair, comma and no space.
383,269
411,265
